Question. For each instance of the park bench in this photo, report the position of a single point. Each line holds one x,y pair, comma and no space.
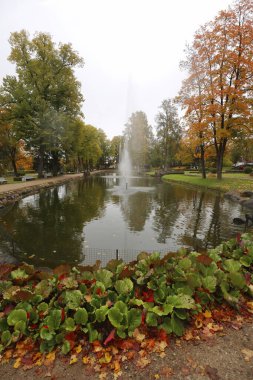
47,175
2,181
27,178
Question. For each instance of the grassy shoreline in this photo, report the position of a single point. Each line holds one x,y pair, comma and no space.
230,182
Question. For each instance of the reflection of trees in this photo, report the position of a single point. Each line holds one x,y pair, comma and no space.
214,231
208,221
136,209
51,227
166,211
191,217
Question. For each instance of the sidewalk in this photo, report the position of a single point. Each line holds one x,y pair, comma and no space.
12,192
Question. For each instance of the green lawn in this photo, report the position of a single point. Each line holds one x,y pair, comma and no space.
230,181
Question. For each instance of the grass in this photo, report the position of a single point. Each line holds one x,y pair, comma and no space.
230,181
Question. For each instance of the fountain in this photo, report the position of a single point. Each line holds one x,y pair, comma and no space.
126,180
125,168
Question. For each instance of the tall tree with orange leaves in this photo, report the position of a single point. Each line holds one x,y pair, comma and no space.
217,94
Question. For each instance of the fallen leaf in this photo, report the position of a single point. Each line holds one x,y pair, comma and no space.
50,358
78,349
166,372
207,314
250,306
102,375
17,363
106,358
86,360
116,366
143,362
73,359
248,354
212,373
138,336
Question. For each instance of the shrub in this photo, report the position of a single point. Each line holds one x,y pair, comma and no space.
247,170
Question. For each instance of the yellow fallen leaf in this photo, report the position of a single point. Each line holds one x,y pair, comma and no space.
157,376
39,362
116,366
102,376
17,363
198,323
114,350
105,359
214,327
250,306
143,362
73,359
78,349
207,314
117,374
138,336
86,360
50,358
248,354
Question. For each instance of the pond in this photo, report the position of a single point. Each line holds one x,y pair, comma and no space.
88,220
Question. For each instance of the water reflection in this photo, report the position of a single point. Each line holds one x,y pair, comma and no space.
72,222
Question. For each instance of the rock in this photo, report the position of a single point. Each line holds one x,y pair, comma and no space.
233,196
248,194
247,203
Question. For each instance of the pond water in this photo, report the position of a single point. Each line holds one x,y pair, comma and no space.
83,221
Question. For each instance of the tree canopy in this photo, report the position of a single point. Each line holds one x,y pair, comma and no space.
217,94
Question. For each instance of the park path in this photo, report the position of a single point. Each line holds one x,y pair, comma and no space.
12,187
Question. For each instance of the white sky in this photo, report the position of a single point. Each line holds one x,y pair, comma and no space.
131,48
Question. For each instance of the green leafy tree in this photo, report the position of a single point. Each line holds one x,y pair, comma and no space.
44,92
115,145
168,131
138,134
105,159
90,149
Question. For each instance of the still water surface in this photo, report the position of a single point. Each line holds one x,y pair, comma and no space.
82,221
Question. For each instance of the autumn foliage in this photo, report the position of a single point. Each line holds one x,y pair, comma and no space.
217,94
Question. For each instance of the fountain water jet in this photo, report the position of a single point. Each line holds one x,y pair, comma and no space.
125,168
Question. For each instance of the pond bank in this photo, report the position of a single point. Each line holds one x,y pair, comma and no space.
10,193
239,190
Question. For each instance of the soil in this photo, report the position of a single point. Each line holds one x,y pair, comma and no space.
221,357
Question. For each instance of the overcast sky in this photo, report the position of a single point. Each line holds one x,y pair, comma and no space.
131,48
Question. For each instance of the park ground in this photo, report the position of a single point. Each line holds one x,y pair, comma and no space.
226,355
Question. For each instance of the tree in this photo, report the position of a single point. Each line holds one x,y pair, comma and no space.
220,63
9,140
168,131
138,135
115,146
44,93
90,149
104,143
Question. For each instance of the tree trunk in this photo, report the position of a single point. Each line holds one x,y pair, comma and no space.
13,162
55,166
41,161
203,164
220,156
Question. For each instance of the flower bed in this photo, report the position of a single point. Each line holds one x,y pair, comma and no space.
57,309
